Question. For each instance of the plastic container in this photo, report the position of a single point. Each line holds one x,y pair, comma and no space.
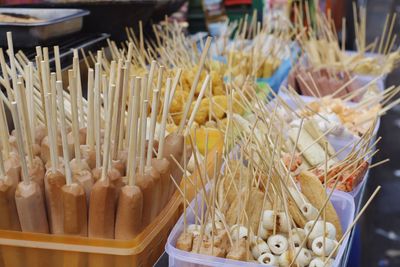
344,144
362,79
18,249
278,77
343,203
307,99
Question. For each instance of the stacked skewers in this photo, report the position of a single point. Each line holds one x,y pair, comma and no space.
102,171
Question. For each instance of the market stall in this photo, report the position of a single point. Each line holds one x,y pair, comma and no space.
251,148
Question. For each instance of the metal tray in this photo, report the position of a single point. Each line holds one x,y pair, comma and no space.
56,22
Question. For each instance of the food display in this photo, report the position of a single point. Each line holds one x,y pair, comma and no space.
322,82
77,178
323,49
345,117
263,211
100,158
311,143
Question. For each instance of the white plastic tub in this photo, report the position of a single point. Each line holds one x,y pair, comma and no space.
339,143
343,203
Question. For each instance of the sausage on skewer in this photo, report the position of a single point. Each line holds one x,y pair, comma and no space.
103,195
80,169
12,167
73,194
54,179
45,148
149,155
128,222
146,178
28,195
9,219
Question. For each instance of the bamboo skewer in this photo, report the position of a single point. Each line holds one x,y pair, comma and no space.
194,85
350,228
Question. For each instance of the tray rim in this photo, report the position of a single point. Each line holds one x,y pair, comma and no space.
78,13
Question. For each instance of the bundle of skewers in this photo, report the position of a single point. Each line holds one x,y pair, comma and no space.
327,65
253,48
106,170
242,60
175,49
260,59
210,104
325,81
348,162
323,50
259,209
337,109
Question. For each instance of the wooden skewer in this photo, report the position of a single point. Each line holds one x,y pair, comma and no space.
194,85
25,123
150,78
349,229
53,99
131,106
292,155
107,141
391,45
343,87
51,135
117,110
133,121
21,152
31,103
4,71
44,86
58,63
383,34
46,58
197,104
161,136
389,35
178,188
68,173
75,122
12,60
97,113
131,170
143,129
174,86
5,145
153,120
122,124
78,86
91,113
378,163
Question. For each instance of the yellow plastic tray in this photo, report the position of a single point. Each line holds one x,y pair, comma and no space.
19,249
